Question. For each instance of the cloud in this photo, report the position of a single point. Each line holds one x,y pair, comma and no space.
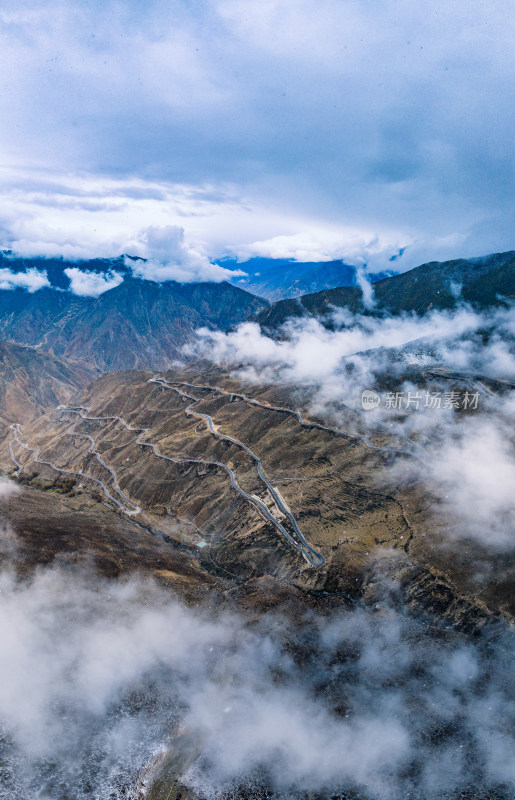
50,213
31,280
366,288
326,243
169,258
7,488
91,284
467,461
387,120
96,676
310,352
474,472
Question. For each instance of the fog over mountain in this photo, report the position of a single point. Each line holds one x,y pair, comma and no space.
120,665
207,676
257,400
468,463
482,282
275,279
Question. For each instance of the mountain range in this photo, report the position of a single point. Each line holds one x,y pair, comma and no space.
247,499
138,324
271,278
482,282
277,279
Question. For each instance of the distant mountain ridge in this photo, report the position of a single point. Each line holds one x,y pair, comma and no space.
279,279
271,278
140,324
482,282
137,325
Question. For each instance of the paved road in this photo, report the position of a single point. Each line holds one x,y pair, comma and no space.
311,555
129,507
308,423
470,377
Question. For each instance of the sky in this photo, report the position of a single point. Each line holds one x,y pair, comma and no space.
295,129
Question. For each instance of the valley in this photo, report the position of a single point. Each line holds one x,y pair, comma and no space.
264,499
257,401
241,472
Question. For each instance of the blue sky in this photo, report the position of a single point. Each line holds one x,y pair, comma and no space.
308,129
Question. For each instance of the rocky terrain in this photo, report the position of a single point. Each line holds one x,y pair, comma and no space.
32,382
329,480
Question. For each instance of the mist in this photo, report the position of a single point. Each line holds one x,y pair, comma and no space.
97,676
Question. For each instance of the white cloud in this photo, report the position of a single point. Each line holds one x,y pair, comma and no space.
7,488
319,242
170,258
91,284
474,473
366,288
97,676
374,119
329,243
47,213
31,280
310,352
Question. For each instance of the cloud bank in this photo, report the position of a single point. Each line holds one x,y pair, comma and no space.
96,676
317,117
169,258
31,280
91,284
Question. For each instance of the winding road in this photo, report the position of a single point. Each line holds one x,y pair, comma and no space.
298,416
309,553
473,379
130,508
294,537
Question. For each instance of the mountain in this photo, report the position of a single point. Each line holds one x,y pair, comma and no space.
32,382
327,481
140,488
483,282
278,279
138,324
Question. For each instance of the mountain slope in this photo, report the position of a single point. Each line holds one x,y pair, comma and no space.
138,324
481,281
329,482
32,382
277,279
